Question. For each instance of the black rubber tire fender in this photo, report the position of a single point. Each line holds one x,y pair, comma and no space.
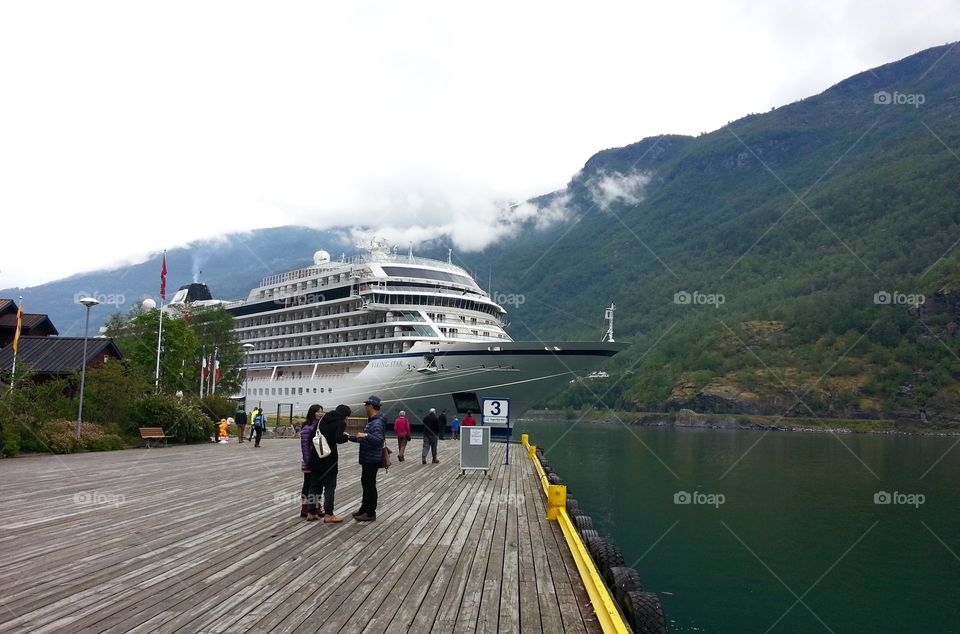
582,522
606,557
644,612
572,505
624,579
587,535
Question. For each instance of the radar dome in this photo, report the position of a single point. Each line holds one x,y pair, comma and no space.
321,257
149,304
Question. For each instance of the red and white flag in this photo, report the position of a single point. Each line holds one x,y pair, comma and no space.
203,367
163,278
216,366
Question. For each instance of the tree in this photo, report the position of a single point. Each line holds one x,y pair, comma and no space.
136,337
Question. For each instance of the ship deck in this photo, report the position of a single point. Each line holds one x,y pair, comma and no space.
207,538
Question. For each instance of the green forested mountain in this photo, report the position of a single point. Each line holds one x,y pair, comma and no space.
813,225
803,239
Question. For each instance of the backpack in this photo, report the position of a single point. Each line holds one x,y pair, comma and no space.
385,461
320,444
258,421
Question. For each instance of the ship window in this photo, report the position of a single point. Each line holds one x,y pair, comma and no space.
443,276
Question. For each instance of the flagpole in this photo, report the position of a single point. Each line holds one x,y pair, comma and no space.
203,364
216,367
159,335
163,297
16,348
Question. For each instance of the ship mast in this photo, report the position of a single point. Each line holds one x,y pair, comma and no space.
608,315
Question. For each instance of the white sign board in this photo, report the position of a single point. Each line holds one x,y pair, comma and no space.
476,436
496,412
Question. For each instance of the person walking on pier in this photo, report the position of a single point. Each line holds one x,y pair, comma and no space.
454,427
431,431
443,422
259,426
253,419
240,418
307,430
323,471
401,428
372,442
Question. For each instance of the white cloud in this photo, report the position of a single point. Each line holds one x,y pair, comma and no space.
131,127
609,188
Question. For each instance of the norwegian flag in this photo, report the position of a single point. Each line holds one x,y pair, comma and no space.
163,278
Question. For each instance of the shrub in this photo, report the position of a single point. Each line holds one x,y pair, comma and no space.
179,418
106,442
218,407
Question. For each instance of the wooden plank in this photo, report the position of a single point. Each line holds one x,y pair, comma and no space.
527,582
207,539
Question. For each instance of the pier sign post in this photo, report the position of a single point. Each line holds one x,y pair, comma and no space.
474,449
496,413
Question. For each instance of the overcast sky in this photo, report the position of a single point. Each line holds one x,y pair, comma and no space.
129,127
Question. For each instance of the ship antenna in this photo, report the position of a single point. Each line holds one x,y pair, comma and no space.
449,256
410,252
608,315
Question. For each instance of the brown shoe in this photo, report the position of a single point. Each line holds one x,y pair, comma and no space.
366,517
332,519
356,514
312,517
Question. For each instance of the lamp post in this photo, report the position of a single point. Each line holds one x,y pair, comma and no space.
89,302
247,347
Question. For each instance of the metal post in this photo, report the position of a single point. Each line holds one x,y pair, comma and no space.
159,337
83,371
509,434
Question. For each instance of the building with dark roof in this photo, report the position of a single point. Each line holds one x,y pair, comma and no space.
50,357
37,324
43,352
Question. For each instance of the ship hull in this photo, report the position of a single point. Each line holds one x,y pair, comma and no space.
454,378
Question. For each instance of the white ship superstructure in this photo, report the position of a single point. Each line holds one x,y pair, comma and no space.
418,332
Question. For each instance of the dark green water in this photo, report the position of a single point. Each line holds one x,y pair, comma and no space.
798,521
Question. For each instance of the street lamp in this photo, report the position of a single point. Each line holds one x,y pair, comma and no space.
89,302
246,372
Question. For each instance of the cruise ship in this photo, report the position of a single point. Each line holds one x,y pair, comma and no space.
417,332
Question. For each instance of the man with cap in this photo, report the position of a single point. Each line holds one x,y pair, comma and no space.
431,430
371,441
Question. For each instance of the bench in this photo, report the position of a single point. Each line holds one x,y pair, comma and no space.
152,434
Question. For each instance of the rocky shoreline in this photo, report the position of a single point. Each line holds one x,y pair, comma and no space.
689,419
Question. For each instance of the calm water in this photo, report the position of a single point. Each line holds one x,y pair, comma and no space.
797,520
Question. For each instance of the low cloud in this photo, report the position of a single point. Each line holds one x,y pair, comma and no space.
417,207
607,189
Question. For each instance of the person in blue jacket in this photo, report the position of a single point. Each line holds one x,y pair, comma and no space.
371,441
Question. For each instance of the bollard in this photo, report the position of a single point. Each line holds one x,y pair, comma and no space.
532,450
556,500
525,440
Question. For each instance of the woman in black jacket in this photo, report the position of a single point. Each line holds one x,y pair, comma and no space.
323,471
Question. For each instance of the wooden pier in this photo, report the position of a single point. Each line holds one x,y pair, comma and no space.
208,539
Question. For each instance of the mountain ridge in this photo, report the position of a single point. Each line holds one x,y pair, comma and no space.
797,217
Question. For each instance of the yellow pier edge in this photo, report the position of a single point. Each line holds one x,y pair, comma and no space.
603,604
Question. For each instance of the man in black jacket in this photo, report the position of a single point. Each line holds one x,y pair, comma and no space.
240,418
371,440
431,430
443,422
